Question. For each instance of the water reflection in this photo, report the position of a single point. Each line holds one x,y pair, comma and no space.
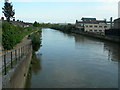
35,68
111,49
36,63
75,61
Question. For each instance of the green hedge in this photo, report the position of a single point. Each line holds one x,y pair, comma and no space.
11,35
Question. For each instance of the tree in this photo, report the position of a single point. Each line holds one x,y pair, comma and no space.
8,11
35,24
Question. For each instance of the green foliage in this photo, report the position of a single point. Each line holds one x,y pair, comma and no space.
8,11
36,40
36,24
65,28
11,35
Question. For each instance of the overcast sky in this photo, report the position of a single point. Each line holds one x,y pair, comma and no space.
61,11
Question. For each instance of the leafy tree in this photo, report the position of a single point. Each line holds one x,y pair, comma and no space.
35,24
8,11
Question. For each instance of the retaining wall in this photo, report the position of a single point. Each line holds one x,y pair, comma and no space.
16,77
110,38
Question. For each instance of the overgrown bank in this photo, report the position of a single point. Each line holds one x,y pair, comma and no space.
35,62
65,28
72,29
11,35
36,40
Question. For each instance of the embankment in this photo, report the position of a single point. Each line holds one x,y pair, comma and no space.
102,37
17,75
16,78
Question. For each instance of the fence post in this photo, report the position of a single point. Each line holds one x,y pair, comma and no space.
16,55
5,64
23,50
11,60
19,53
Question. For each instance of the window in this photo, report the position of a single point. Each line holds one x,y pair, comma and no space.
91,26
95,26
100,30
105,26
86,25
95,30
90,29
100,26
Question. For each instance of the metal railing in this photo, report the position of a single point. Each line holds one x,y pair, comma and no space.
11,58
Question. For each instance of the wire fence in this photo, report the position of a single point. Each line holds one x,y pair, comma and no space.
11,58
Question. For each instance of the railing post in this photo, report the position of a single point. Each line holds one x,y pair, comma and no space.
5,64
23,50
16,55
19,53
11,60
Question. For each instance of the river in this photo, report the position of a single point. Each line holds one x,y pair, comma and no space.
74,61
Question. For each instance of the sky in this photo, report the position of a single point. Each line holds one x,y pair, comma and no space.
62,11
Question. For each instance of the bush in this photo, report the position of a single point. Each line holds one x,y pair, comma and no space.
65,28
36,40
11,35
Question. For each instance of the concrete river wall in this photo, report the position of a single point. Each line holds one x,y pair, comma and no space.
103,37
16,76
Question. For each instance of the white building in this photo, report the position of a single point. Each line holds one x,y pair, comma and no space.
96,28
92,25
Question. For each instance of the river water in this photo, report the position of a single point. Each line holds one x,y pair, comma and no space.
75,61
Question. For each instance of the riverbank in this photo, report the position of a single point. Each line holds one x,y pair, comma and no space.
72,29
114,39
16,76
36,44
12,35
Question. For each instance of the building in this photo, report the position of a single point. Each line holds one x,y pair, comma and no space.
115,31
117,23
92,25
21,23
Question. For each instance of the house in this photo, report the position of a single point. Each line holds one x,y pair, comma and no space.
92,25
21,23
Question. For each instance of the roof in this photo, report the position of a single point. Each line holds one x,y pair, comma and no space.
91,21
118,20
88,18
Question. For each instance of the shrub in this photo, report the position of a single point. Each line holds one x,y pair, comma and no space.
11,35
36,40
